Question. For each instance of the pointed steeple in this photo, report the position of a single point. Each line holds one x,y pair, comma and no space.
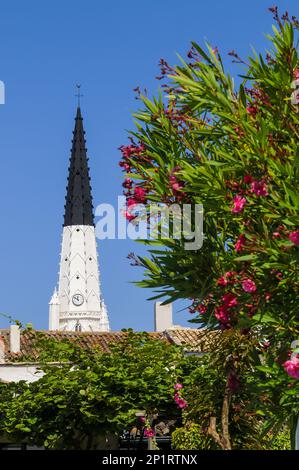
55,298
78,304
78,206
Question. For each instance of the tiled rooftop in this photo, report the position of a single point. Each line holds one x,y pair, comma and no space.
192,339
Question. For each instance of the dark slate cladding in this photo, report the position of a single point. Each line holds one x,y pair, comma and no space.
78,206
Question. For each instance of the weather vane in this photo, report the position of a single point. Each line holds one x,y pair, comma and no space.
78,95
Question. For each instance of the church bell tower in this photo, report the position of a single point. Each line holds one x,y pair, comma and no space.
78,305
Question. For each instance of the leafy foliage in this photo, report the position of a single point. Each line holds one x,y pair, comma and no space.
93,393
191,437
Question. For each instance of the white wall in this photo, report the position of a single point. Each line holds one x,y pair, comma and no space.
16,372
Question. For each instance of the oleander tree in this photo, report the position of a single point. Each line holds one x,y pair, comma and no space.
234,149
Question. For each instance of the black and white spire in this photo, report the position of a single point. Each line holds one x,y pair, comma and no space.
78,304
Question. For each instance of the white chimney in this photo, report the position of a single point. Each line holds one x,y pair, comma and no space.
163,316
15,339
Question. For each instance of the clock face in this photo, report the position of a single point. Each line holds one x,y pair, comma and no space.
78,300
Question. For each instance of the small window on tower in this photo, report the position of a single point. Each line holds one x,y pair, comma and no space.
78,327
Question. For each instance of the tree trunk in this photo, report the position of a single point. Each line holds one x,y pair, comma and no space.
225,419
222,440
295,432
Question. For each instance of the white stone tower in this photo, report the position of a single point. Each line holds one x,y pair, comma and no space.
78,304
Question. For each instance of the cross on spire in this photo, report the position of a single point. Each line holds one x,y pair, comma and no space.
78,94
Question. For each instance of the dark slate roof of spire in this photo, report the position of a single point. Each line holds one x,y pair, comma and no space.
78,206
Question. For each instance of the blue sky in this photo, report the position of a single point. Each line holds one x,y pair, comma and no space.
110,48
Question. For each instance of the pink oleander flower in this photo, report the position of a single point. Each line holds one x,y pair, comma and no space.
202,309
276,235
248,286
259,188
178,386
131,202
294,237
125,166
222,281
221,313
239,131
296,74
240,243
149,432
129,151
127,183
239,203
129,216
251,110
139,194
229,274
292,367
174,183
180,401
247,179
229,300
